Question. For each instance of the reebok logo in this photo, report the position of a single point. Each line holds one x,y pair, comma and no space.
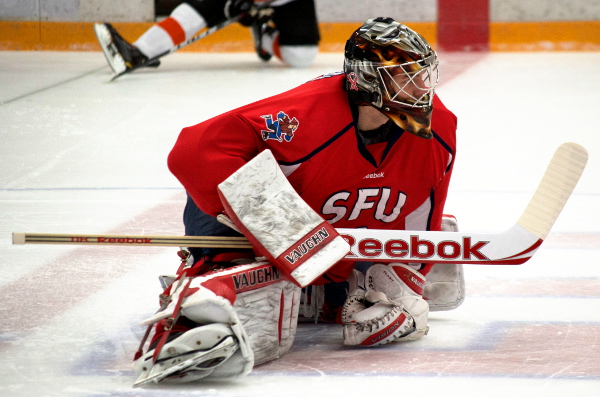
111,240
374,175
415,248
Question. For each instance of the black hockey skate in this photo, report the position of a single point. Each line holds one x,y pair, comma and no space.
121,55
262,26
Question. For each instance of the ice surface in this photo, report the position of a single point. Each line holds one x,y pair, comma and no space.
81,154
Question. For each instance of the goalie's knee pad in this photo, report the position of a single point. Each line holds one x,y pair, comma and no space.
388,308
445,284
258,305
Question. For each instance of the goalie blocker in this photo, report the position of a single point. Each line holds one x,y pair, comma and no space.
279,224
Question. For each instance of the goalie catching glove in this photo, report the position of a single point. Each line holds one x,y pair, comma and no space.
385,306
220,324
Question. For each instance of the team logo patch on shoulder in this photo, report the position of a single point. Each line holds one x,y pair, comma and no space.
281,129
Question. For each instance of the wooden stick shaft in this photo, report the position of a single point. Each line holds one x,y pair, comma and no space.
131,240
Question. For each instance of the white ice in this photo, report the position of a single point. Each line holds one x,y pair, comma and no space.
80,154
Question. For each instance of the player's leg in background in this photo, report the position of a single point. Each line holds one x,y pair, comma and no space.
186,19
291,33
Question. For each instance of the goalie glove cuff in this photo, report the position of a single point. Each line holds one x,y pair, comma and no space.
395,280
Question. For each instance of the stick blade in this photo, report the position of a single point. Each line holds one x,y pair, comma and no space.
554,190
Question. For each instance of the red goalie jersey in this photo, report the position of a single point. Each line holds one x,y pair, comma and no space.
312,131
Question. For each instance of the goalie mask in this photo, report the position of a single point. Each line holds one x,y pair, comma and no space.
392,68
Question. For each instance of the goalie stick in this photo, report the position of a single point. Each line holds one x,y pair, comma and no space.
512,247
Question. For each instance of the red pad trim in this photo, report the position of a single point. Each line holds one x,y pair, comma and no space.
244,280
307,246
413,281
220,289
174,30
281,310
170,322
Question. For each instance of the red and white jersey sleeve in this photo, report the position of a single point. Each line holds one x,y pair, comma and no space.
312,132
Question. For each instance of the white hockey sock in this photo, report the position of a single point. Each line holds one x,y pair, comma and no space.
183,23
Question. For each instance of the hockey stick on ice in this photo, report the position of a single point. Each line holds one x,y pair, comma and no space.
199,36
191,40
512,247
132,240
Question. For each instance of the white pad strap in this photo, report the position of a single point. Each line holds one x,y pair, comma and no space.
281,226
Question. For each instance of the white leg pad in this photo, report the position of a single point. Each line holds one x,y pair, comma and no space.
255,303
270,316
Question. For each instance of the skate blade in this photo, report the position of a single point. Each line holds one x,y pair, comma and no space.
210,359
113,57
